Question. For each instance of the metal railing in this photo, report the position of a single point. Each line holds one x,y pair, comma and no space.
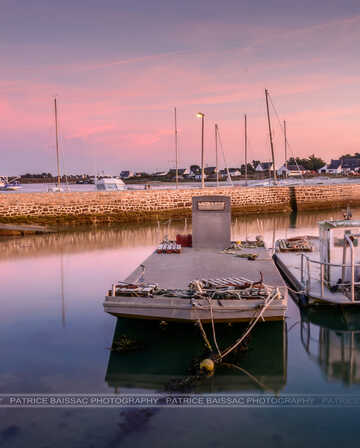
306,276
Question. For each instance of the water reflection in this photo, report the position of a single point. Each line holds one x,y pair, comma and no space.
167,355
332,340
95,238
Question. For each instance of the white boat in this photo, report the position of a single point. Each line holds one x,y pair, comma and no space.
6,185
55,189
110,184
325,269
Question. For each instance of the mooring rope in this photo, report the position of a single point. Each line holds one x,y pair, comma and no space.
213,326
267,303
203,333
250,375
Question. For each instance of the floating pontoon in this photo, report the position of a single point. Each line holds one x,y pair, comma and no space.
212,281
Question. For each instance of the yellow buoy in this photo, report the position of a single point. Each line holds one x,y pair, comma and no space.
208,365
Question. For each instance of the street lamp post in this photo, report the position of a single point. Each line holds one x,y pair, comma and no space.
202,116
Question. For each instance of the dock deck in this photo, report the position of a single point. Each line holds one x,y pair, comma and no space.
176,271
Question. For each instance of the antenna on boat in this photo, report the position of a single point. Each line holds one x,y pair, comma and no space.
57,145
246,172
270,134
176,150
216,154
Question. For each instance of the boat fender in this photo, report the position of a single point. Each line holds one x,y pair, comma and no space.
207,365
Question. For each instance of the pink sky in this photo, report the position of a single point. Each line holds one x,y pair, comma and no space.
118,76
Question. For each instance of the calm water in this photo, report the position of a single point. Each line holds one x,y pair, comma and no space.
41,188
54,337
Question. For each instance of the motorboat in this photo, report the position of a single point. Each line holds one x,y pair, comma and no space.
110,184
324,269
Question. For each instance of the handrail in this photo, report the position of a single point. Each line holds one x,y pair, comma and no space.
322,264
329,264
349,241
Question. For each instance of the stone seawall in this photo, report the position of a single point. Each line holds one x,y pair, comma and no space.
147,205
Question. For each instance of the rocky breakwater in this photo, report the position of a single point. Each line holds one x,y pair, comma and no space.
132,206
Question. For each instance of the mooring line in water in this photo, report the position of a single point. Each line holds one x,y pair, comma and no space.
213,326
250,375
206,340
226,352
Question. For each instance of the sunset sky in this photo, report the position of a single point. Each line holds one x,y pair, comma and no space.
119,67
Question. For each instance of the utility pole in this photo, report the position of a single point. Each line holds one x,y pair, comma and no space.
270,133
246,168
216,155
176,152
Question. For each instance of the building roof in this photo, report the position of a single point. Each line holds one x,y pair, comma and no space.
266,165
334,164
294,167
350,162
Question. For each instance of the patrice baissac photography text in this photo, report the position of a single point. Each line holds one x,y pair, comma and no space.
179,223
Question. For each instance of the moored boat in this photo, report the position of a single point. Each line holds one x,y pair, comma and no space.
324,270
6,185
110,184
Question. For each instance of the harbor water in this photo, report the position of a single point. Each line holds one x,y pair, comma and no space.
55,339
322,180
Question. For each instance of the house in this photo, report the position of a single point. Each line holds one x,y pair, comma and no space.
291,170
334,167
264,166
350,164
126,174
344,165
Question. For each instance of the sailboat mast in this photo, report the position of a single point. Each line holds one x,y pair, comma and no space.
57,145
285,144
246,168
270,133
176,150
216,155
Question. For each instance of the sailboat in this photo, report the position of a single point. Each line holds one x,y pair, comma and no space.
6,185
57,188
